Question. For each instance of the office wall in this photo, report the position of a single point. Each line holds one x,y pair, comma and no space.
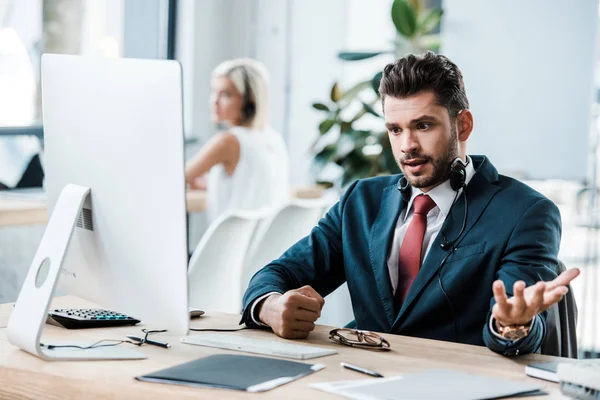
207,33
297,40
528,68
317,32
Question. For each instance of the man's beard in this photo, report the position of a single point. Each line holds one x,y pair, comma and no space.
441,165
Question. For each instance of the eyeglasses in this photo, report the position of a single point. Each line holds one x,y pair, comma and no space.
361,339
141,340
111,342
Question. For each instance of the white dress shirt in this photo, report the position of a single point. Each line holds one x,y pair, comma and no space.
443,196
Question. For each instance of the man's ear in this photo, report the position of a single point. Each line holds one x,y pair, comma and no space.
464,125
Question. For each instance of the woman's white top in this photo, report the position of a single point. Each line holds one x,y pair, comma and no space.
260,179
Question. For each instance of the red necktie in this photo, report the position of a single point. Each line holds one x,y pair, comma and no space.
411,250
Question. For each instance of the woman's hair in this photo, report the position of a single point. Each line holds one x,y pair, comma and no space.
251,79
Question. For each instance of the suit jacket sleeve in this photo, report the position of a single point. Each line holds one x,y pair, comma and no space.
530,256
316,260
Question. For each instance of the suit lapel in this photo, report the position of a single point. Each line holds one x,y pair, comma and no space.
382,233
479,193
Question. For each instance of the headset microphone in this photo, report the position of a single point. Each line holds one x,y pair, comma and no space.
458,177
446,245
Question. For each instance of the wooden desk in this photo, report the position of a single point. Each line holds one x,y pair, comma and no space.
30,212
24,376
22,212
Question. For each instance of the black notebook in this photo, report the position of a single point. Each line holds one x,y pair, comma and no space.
545,370
227,371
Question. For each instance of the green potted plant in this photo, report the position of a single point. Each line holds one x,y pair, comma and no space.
362,152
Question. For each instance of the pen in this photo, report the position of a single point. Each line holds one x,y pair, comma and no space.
360,369
150,341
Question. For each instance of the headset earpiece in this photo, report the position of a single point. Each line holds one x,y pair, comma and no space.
249,111
404,188
249,108
458,178
458,174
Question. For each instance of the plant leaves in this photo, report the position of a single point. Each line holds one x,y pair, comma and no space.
370,110
344,146
416,5
358,115
358,55
319,143
325,184
387,160
355,167
324,156
430,21
430,42
345,126
326,125
404,18
351,93
336,93
360,135
376,81
320,107
351,176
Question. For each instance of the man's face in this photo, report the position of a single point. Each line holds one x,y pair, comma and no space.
424,141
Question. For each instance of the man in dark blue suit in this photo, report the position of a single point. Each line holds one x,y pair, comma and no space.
430,252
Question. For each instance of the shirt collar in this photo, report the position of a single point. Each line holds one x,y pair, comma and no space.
442,194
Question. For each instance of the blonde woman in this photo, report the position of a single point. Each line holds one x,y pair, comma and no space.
246,164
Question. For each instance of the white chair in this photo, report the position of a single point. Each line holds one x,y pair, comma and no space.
278,232
338,308
215,267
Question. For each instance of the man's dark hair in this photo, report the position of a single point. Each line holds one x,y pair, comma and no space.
414,73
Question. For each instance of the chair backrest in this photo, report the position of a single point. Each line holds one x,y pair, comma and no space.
337,310
215,267
276,233
561,325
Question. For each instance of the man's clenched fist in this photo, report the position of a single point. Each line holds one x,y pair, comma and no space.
292,315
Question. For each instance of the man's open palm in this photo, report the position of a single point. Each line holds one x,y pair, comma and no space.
526,303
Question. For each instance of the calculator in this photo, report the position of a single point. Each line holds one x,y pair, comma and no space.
78,318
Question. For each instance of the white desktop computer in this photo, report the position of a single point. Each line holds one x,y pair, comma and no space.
117,236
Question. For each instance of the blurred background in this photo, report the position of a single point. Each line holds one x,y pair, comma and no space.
531,71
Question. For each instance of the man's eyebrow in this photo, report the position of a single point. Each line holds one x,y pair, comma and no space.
424,117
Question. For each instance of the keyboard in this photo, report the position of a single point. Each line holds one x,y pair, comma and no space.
581,379
258,346
78,318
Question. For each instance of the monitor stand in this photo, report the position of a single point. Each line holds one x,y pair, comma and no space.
31,309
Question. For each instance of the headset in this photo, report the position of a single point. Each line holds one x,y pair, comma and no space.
458,178
249,108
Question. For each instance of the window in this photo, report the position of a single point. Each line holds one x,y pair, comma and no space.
28,28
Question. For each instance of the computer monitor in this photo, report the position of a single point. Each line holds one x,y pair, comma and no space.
115,127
